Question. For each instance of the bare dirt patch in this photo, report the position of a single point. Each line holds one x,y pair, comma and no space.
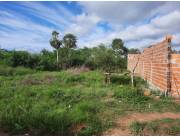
75,129
177,101
122,123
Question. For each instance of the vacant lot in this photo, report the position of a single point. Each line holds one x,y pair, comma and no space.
67,103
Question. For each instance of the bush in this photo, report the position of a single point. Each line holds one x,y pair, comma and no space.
23,71
6,71
121,79
9,71
125,79
75,78
131,95
138,82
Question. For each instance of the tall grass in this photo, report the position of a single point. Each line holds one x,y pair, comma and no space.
10,71
62,103
157,127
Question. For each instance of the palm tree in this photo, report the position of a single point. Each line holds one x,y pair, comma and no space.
55,43
69,41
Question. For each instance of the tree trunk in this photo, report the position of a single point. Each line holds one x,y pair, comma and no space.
69,61
57,59
133,71
132,79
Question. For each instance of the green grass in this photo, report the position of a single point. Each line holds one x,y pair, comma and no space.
52,103
10,71
157,127
137,128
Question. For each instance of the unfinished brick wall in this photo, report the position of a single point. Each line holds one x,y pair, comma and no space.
175,74
154,65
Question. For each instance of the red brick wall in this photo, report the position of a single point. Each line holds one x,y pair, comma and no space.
153,66
175,74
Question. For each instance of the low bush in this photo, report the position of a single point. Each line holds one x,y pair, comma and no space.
125,79
74,78
120,79
129,94
139,82
9,71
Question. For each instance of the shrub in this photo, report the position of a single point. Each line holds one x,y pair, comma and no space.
120,79
6,71
23,71
138,82
125,79
131,95
74,78
9,71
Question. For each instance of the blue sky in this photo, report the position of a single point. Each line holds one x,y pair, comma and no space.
28,25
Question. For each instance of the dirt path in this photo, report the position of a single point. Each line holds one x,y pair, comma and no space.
122,123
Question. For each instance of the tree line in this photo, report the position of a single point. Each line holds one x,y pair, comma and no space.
67,55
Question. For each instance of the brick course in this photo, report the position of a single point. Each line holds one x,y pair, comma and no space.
154,64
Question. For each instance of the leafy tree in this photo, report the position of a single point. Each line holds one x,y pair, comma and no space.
69,41
55,43
1,54
118,47
19,58
46,61
134,51
102,58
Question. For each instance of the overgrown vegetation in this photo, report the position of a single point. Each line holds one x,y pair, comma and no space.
42,93
109,59
10,71
157,127
64,103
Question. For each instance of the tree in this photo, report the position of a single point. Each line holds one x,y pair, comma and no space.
134,51
19,58
133,70
118,46
69,41
55,43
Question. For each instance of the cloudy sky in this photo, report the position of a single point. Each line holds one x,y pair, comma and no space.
28,25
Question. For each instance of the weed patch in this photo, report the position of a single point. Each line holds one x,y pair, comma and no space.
54,103
157,127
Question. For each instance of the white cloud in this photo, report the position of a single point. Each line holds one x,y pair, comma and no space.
82,24
169,21
57,15
139,24
121,12
143,34
145,21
